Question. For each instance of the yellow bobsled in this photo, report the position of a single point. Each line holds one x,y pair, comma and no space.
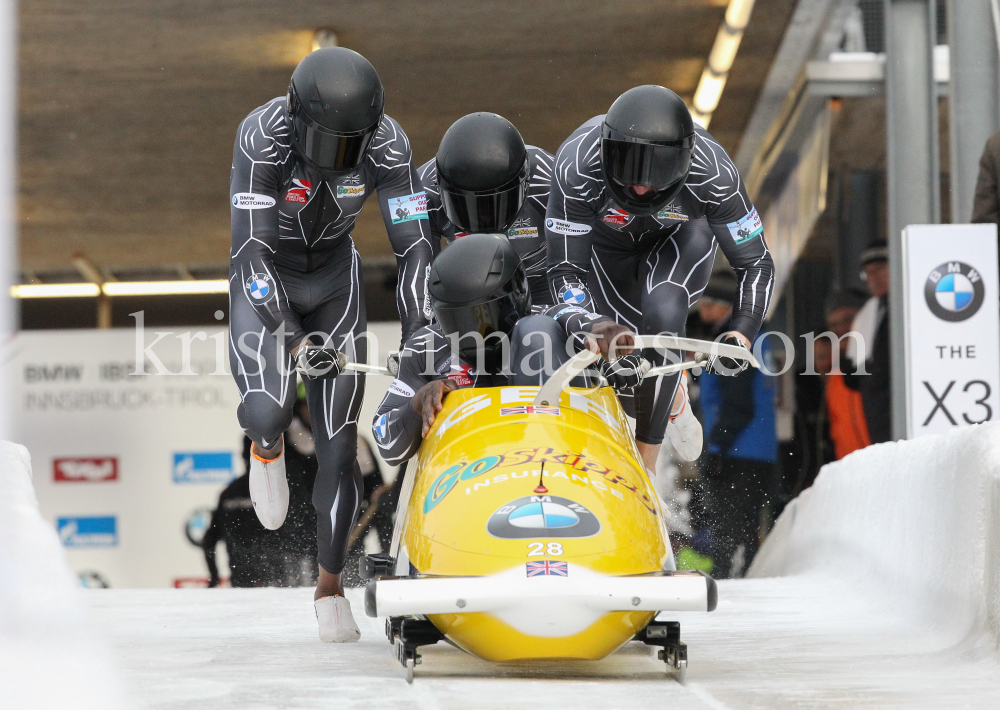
531,531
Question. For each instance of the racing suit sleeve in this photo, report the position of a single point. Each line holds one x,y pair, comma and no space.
397,426
576,321
403,203
253,195
436,219
738,229
569,219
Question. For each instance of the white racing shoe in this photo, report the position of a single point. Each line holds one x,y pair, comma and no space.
684,429
336,622
268,489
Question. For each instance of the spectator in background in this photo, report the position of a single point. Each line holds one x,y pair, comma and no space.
848,428
738,467
986,202
254,552
269,558
872,323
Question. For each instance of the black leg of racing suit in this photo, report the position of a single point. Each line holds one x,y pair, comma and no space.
330,301
651,290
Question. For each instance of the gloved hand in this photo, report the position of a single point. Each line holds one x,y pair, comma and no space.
317,363
624,373
392,364
722,365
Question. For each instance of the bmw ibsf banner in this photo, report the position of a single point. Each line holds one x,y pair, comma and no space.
952,318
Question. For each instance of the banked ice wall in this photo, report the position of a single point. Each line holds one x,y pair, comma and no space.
49,657
913,523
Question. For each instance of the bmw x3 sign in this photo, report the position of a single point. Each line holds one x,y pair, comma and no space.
951,334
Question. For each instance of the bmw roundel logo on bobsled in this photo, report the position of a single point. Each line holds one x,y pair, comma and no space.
540,516
954,291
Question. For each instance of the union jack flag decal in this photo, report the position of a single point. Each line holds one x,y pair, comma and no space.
529,409
548,568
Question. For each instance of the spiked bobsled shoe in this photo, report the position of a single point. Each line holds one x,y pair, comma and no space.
684,429
336,622
268,489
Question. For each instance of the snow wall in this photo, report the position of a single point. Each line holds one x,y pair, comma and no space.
49,657
913,523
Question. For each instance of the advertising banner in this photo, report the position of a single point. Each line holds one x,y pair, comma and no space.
123,462
952,326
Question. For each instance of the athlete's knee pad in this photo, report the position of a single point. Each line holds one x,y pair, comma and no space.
263,419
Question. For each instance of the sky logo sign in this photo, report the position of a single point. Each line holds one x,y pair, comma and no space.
88,531
203,467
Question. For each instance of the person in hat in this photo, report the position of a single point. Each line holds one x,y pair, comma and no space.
869,370
741,443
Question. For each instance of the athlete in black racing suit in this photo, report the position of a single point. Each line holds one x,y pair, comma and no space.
642,263
298,181
470,149
477,281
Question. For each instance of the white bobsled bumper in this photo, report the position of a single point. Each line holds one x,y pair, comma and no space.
580,589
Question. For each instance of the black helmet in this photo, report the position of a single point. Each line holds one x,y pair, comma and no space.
335,103
478,285
646,140
483,172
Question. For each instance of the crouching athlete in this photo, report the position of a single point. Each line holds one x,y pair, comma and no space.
479,292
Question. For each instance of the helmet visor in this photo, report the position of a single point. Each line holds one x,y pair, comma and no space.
648,165
497,315
485,212
328,150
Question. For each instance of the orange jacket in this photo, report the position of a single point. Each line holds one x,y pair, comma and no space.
847,419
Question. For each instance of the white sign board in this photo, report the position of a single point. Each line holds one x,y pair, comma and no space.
122,462
952,326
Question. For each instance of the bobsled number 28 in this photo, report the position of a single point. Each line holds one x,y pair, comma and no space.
529,532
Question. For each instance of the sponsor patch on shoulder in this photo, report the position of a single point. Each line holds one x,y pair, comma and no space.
252,201
408,208
401,388
747,228
561,226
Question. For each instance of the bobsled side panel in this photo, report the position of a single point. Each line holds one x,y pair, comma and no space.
489,638
477,508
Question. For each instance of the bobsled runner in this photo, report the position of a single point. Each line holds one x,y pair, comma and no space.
529,529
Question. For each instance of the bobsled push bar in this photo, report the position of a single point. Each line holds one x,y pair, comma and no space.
670,591
703,349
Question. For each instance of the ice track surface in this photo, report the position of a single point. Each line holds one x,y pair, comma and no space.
772,643
879,587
